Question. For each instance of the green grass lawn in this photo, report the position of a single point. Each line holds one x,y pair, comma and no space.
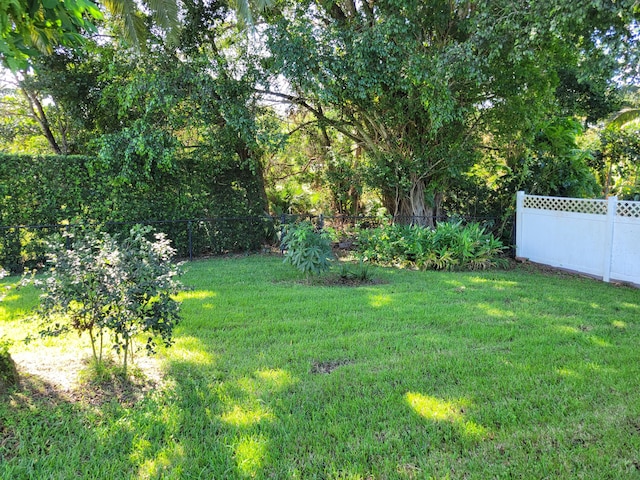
499,374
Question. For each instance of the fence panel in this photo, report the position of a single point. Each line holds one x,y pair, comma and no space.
595,237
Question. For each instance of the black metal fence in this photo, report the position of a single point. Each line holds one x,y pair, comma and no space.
25,246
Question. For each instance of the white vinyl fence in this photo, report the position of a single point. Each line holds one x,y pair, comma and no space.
596,237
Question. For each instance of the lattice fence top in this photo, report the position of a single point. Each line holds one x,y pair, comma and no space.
628,209
576,205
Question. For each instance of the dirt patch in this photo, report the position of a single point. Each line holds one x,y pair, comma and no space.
339,281
329,366
49,374
126,391
634,425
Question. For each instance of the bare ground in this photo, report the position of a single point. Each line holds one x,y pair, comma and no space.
64,374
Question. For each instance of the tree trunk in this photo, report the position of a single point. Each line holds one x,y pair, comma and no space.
37,111
412,208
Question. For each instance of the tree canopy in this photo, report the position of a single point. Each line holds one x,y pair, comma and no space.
420,85
419,102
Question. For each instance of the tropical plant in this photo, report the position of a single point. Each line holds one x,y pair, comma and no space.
451,245
306,249
359,272
623,117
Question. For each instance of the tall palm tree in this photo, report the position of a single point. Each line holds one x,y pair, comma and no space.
127,15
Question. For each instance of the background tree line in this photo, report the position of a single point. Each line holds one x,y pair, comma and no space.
423,109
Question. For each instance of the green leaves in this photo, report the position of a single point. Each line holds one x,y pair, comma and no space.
28,28
307,250
450,246
99,284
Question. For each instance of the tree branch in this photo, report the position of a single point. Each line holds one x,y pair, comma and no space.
316,111
38,113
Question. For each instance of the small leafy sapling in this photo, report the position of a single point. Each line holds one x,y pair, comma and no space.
101,285
147,279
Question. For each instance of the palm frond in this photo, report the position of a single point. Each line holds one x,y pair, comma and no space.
623,117
245,8
243,11
163,12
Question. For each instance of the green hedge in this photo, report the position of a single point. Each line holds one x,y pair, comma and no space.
54,190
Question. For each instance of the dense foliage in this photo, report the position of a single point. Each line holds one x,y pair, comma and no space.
424,110
27,28
102,285
450,246
423,88
52,190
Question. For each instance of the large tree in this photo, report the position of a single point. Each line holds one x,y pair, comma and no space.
418,84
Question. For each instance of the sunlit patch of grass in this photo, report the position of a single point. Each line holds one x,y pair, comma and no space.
242,417
250,452
195,295
380,300
163,462
600,341
275,379
493,311
567,372
192,350
567,329
432,408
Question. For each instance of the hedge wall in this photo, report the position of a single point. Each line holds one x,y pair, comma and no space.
54,190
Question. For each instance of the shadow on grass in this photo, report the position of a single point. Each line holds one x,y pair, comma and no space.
48,433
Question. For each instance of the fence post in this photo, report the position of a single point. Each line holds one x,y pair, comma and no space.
612,206
519,223
190,235
283,223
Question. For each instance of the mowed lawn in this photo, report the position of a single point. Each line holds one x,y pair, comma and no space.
476,375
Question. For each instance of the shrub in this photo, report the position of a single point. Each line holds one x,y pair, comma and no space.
306,249
8,371
449,246
103,285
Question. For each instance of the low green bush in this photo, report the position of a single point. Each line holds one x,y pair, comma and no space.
8,371
306,249
449,246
